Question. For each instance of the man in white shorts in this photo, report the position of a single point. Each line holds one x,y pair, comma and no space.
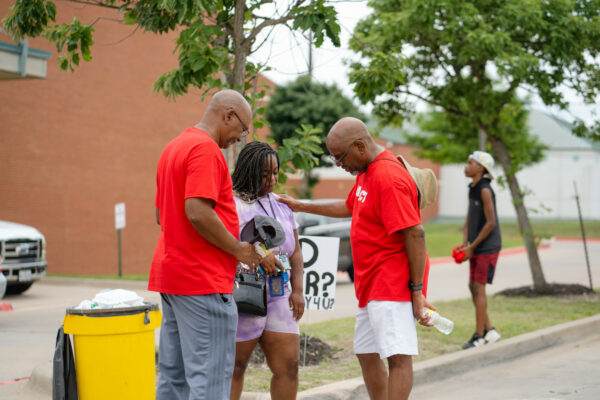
391,265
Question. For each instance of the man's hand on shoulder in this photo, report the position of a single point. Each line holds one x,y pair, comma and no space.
292,203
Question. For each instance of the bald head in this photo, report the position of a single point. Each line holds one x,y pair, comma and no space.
345,131
230,100
351,145
227,118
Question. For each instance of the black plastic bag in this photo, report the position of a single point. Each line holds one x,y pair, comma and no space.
64,382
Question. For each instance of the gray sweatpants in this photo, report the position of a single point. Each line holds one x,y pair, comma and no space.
197,347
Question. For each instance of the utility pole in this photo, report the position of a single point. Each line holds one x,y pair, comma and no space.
310,55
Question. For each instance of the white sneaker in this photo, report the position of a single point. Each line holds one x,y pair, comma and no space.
492,336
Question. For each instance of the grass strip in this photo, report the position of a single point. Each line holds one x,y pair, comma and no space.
443,237
511,316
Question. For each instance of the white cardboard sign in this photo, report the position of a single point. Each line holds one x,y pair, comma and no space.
320,270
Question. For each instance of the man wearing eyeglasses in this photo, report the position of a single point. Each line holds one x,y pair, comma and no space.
195,260
391,265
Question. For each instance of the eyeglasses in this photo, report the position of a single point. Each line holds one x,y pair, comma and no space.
338,160
245,132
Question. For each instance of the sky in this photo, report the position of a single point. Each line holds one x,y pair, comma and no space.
287,54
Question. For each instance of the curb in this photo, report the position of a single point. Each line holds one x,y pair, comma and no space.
449,365
435,369
446,366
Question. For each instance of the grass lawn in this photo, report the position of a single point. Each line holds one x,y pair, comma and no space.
511,316
443,237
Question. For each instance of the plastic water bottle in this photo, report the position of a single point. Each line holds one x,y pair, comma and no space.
442,324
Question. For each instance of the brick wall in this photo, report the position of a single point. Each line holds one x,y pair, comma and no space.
75,144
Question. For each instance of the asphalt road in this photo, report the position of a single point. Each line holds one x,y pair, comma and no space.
27,334
565,372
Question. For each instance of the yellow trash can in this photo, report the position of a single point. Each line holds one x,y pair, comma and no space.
114,351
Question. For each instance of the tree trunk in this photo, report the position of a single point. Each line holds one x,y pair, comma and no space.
524,225
305,185
241,49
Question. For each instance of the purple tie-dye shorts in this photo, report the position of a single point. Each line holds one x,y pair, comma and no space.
279,318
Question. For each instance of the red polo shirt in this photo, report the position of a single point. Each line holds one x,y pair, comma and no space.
192,165
383,202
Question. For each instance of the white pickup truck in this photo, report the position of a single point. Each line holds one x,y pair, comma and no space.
22,256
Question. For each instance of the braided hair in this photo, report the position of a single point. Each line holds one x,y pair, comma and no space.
248,175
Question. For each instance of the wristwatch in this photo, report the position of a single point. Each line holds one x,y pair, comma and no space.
413,287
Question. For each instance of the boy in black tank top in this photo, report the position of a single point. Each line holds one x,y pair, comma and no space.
482,243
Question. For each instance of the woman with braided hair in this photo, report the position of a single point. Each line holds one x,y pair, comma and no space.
254,179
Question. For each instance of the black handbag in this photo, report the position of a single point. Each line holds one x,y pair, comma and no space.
250,293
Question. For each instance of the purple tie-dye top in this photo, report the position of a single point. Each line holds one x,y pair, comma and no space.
246,211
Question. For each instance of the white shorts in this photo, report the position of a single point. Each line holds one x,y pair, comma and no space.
387,328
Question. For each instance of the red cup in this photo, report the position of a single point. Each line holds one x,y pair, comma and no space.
458,254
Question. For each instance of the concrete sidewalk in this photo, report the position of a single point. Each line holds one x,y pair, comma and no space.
452,365
440,368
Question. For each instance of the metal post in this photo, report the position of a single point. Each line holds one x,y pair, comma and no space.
24,44
310,55
119,240
587,258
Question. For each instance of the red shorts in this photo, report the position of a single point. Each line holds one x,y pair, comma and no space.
483,267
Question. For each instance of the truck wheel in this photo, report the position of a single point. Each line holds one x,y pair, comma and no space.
351,273
18,288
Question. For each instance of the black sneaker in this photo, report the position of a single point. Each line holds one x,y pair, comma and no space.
475,341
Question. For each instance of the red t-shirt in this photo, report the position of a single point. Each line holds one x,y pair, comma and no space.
383,202
192,165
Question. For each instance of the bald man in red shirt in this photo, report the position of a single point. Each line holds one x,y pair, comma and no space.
391,265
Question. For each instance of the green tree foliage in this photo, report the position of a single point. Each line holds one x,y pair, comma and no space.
215,39
215,36
447,138
300,151
306,102
466,59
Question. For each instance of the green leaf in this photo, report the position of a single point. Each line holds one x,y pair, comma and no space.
51,10
130,17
